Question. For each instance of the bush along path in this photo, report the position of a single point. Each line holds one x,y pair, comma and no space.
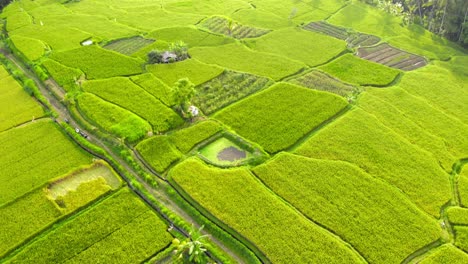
156,199
448,237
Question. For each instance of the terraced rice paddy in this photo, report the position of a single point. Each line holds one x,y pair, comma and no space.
224,26
392,57
328,131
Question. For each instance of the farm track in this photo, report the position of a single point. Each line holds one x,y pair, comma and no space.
51,93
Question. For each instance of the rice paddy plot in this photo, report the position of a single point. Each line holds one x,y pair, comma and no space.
274,118
238,57
128,46
328,29
242,203
150,18
197,72
121,229
205,7
446,253
45,153
112,118
98,63
354,70
187,138
32,49
457,215
227,88
225,26
463,186
124,93
159,152
16,106
392,57
296,44
359,138
190,35
24,217
461,237
260,19
65,76
318,80
342,197
155,87
362,40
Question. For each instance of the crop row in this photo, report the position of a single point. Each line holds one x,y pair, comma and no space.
128,46
120,227
112,118
17,106
360,138
320,81
221,25
274,118
124,93
240,201
328,29
321,189
45,153
392,57
362,40
227,88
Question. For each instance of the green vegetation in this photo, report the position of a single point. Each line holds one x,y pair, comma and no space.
360,138
128,224
159,152
83,194
98,63
458,215
321,188
308,47
228,27
196,71
354,70
112,118
446,254
461,237
17,106
206,7
155,87
65,76
186,139
463,186
124,93
318,80
236,198
24,217
227,88
190,35
239,58
45,153
128,46
32,49
274,118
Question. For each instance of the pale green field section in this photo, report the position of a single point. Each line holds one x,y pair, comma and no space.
224,191
34,154
360,138
100,233
30,214
322,189
16,107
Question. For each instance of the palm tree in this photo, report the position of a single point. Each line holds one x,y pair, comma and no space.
193,248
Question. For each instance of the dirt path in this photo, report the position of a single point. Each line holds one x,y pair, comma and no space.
65,116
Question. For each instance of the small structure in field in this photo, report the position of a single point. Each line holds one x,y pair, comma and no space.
87,42
168,56
193,110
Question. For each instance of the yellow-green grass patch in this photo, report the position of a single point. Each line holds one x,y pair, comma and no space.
197,72
360,138
16,106
294,43
355,70
343,198
32,155
32,49
279,116
241,202
239,58
159,152
445,254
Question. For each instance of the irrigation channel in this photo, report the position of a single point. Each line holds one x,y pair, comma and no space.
55,95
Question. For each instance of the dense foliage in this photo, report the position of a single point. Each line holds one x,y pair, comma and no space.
274,118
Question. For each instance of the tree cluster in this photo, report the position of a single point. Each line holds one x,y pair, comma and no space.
447,18
179,49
